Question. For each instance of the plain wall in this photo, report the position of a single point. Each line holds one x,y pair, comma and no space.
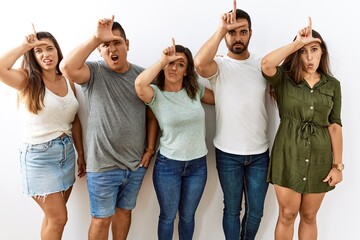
149,26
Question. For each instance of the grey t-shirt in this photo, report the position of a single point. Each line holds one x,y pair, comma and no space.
116,124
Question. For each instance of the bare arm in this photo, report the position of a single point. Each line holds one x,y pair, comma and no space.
335,131
78,141
143,81
151,136
204,59
208,97
274,58
73,66
16,78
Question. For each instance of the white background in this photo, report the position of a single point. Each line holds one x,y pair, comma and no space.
149,26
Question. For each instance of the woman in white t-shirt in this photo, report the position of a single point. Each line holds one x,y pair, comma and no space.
180,169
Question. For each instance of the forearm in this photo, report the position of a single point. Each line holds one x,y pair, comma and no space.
207,52
335,132
8,60
152,129
146,77
274,58
76,59
77,136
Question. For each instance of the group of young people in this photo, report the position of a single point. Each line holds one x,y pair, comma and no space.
128,105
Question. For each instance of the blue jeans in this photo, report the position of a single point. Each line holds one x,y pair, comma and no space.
242,174
113,189
179,186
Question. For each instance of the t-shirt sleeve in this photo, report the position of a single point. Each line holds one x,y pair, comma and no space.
156,90
201,89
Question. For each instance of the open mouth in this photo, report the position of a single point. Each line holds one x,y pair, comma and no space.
114,58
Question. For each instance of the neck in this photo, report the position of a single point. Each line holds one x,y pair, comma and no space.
242,56
175,87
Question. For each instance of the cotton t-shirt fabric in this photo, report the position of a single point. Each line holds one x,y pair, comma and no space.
116,123
301,156
241,117
182,123
52,120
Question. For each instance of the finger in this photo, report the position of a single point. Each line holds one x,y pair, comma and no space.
327,178
173,42
309,26
234,9
33,28
112,19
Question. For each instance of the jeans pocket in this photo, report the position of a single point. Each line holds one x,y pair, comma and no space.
35,148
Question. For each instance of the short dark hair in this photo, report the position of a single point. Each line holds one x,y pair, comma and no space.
241,14
117,26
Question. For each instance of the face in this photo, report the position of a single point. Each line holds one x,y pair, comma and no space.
114,53
310,56
237,40
175,71
46,55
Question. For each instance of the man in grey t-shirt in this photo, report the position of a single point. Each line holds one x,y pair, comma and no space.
116,152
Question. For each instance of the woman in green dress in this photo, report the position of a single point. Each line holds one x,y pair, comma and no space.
306,159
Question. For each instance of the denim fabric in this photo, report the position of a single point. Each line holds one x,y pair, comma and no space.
179,186
113,189
47,167
242,174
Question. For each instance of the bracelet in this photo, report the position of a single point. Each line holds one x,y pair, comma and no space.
149,150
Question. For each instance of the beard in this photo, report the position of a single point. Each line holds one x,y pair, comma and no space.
237,48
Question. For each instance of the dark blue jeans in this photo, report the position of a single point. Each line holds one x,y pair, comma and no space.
242,175
179,186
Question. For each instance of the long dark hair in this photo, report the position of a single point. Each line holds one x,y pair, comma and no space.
34,90
190,79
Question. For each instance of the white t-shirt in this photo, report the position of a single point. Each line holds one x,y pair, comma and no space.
241,118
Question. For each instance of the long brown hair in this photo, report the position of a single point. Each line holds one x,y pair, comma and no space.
190,80
294,67
34,90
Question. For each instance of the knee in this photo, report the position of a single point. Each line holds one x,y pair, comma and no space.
101,222
58,221
309,218
287,216
123,212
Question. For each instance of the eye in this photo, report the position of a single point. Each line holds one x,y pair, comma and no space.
105,45
243,32
231,33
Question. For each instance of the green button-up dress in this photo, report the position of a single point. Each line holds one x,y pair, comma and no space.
301,156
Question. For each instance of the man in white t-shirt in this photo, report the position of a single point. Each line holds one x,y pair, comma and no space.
241,141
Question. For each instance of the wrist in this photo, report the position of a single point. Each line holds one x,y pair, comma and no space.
149,151
338,166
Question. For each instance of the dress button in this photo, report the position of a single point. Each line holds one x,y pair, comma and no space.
306,160
311,91
311,108
304,179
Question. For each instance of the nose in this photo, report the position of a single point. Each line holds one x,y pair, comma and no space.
111,48
174,66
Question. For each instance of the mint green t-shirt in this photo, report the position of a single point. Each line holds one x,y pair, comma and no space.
182,123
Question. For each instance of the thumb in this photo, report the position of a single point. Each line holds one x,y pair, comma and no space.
327,178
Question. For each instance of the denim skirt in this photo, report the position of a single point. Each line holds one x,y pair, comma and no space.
47,167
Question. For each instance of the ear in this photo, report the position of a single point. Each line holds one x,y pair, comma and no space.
127,44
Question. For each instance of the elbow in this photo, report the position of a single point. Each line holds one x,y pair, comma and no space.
267,67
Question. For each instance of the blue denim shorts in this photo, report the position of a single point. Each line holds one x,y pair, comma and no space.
47,167
113,189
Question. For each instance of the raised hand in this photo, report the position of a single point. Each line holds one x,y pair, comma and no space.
228,20
169,53
104,32
31,40
304,35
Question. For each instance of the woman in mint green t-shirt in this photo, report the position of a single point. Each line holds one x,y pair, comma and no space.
180,169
